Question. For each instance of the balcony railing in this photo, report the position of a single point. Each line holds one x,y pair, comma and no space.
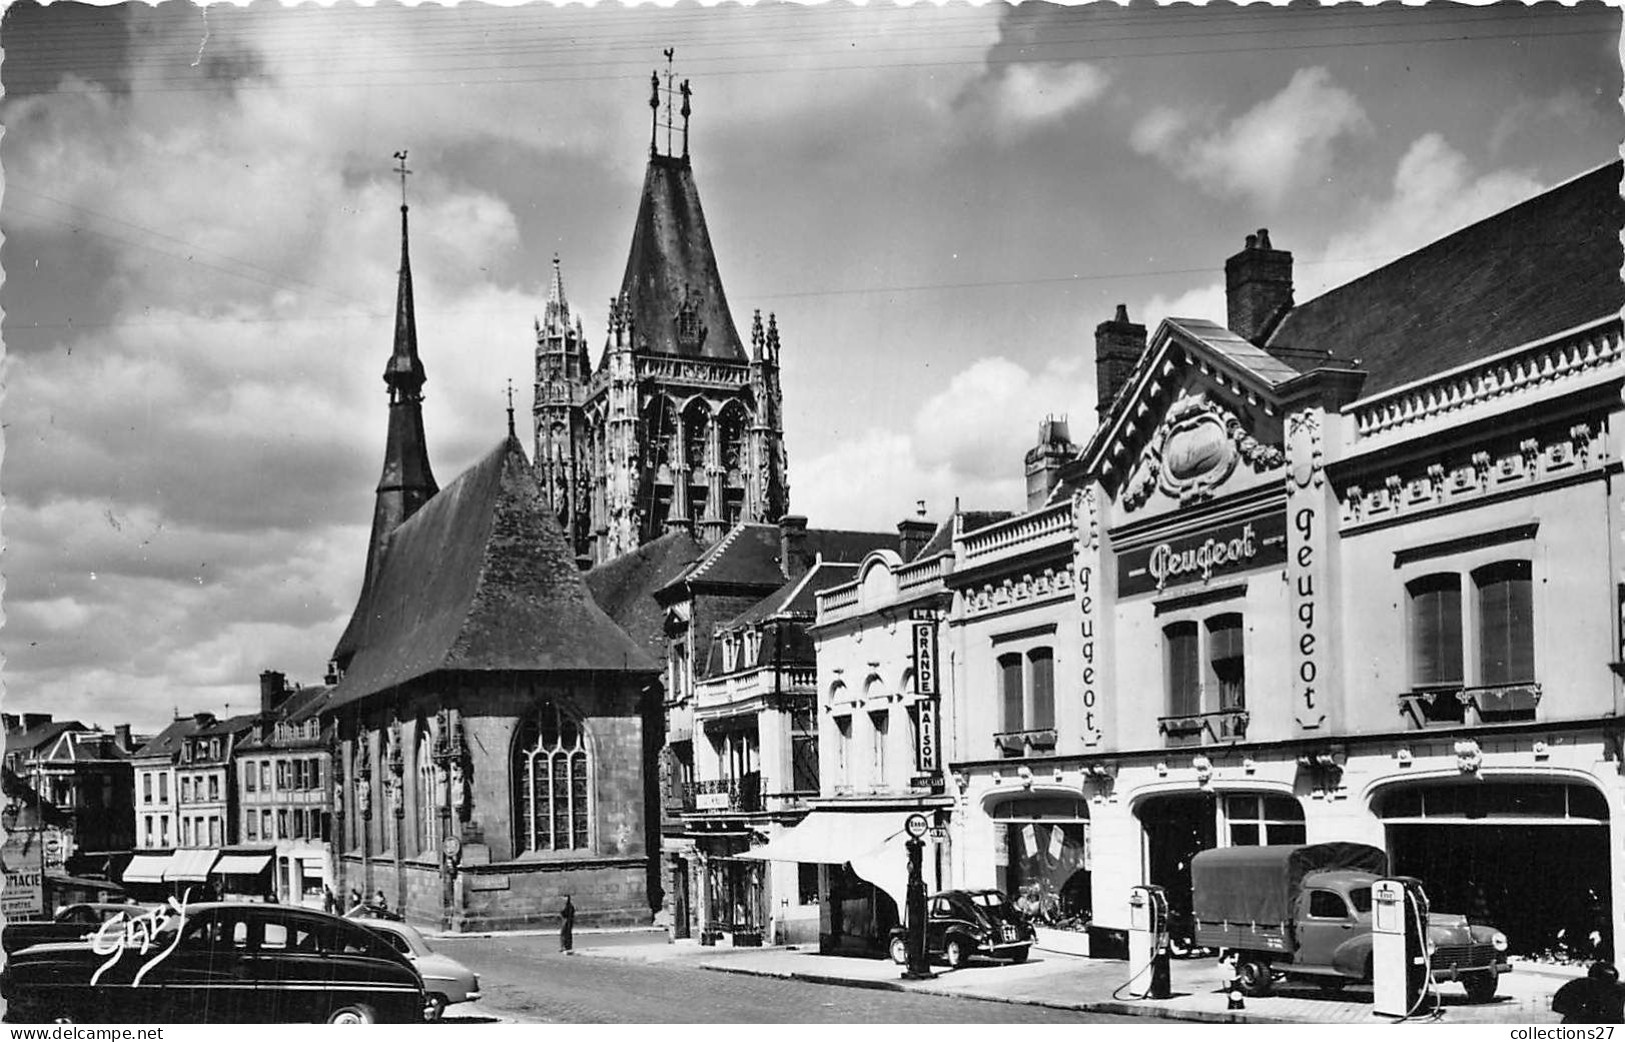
1024,743
1019,534
1199,728
742,795
1443,706
720,692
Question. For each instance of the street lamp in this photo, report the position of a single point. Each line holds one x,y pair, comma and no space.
918,968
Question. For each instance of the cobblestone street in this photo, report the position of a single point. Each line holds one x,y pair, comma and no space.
525,979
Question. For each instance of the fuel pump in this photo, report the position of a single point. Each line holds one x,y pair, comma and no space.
1399,955
1148,939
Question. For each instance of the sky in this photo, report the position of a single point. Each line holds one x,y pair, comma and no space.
939,203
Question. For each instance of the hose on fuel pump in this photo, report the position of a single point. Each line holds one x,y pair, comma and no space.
1428,987
1117,992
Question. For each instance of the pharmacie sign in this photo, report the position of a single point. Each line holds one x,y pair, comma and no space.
1259,542
23,858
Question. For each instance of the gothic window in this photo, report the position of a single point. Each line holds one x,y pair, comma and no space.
696,435
731,436
428,792
550,782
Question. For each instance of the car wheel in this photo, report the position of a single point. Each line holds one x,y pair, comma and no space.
1253,976
955,953
1019,955
1481,986
434,1007
899,951
354,1013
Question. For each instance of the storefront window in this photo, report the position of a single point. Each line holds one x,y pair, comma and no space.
1263,820
1043,859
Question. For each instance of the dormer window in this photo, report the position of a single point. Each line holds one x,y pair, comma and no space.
730,653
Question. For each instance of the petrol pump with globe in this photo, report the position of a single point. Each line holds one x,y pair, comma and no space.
918,967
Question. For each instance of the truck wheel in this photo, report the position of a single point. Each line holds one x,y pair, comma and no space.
899,951
1253,976
1481,986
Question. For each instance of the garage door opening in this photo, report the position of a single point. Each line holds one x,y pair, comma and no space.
1530,858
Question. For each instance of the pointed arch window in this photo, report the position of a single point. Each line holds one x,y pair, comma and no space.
428,792
551,771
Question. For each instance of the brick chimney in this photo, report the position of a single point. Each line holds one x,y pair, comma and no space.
1118,346
1045,459
793,546
33,720
121,735
1257,288
913,533
273,689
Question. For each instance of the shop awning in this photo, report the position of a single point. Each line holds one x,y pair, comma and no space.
241,864
872,842
190,866
146,868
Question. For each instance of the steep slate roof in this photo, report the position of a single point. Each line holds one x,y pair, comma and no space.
624,586
168,742
671,252
37,737
229,726
796,600
1528,272
748,555
1241,353
482,578
81,746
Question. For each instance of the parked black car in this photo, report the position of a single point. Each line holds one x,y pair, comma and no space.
71,923
221,962
962,923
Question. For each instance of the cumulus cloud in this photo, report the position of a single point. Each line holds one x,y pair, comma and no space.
1028,96
1265,152
1201,302
966,442
1434,191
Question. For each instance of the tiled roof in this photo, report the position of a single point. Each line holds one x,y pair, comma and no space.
43,735
168,742
481,578
229,726
748,555
624,586
671,256
1537,269
799,596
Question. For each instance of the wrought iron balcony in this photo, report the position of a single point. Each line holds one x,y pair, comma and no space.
1444,705
1226,725
742,795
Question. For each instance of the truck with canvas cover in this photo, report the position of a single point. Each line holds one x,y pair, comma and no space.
1304,912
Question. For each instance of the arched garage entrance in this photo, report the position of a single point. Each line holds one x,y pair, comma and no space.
1042,859
1530,857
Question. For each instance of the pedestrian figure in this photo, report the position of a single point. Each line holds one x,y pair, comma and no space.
1596,998
330,904
379,902
356,901
567,925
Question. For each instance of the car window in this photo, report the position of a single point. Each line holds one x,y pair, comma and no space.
275,937
1324,904
79,915
1361,899
397,942
358,940
215,931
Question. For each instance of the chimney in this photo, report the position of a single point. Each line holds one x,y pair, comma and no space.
1257,288
273,689
913,533
793,546
14,723
33,720
203,719
1118,346
1045,460
121,735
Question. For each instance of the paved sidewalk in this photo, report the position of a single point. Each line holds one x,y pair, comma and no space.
1096,985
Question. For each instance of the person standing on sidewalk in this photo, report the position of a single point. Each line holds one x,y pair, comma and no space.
567,926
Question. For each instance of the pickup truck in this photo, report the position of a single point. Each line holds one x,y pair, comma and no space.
1303,912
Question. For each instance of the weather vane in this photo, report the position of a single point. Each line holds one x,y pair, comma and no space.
401,169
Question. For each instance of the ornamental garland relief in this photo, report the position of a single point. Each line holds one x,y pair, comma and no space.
1016,591
1193,452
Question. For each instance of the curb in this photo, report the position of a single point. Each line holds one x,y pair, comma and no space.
1118,1008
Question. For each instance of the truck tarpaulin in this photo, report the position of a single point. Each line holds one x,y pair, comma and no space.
1258,884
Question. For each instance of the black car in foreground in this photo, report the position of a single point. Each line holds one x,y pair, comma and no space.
71,923
962,923
216,963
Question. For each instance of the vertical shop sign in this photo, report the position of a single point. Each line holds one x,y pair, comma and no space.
925,658
926,754
1087,562
1308,552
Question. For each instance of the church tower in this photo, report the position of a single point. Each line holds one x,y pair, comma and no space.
679,426
407,482
562,371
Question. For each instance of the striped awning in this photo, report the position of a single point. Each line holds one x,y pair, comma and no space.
190,866
146,868
241,865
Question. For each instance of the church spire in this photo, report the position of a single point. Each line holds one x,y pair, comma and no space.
407,482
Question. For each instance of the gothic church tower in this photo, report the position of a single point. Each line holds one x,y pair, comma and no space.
678,427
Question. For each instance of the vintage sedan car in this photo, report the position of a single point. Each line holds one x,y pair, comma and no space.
71,923
445,980
962,923
214,963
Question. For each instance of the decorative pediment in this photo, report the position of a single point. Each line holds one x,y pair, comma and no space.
1194,450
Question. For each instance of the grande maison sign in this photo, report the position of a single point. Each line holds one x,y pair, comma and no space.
1259,542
